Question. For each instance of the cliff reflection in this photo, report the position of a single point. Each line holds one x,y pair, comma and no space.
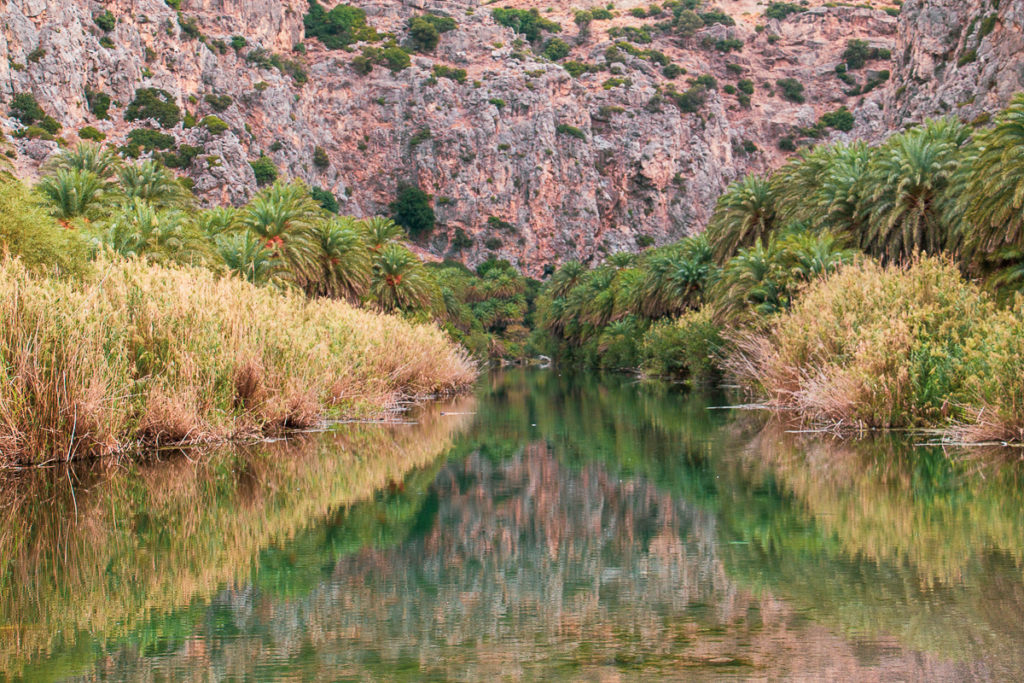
577,529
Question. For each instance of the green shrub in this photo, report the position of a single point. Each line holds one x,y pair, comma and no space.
190,27
728,44
324,198
967,57
413,211
339,27
556,49
320,159
892,347
781,10
497,102
686,348
214,124
98,102
264,170
493,243
106,21
218,102
576,68
792,89
91,133
423,35
26,109
746,86
156,104
461,240
840,119
150,139
527,22
573,131
444,71
717,17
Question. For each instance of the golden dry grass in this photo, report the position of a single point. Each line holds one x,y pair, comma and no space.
143,354
902,346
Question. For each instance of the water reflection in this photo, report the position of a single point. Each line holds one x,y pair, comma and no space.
574,528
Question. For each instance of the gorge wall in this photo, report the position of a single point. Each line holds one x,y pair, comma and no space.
524,160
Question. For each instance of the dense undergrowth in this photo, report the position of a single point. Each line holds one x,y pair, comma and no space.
142,353
130,318
861,286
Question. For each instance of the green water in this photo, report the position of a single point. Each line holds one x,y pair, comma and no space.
549,528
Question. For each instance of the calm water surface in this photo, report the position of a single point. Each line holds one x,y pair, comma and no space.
549,528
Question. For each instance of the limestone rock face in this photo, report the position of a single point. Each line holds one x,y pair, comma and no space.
962,58
532,164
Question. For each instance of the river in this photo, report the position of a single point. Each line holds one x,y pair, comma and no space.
550,527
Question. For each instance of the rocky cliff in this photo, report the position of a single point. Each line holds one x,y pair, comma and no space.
524,159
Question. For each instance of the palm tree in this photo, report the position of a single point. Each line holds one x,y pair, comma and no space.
565,278
675,277
798,183
217,220
72,192
283,216
745,213
344,260
86,156
154,183
621,259
379,231
905,191
137,228
837,205
399,282
765,279
991,185
248,257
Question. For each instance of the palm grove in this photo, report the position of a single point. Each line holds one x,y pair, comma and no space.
865,285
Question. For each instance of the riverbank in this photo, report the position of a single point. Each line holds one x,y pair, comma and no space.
136,354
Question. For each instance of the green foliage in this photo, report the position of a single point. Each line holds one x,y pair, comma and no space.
320,159
423,35
781,10
792,89
214,124
990,187
264,170
339,27
156,104
264,59
29,233
325,199
572,131
91,133
98,102
412,210
744,215
556,49
840,119
73,192
683,348
147,139
527,22
444,71
218,102
105,20
859,52
392,56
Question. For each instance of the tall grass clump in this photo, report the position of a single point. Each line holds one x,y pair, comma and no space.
876,346
137,353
